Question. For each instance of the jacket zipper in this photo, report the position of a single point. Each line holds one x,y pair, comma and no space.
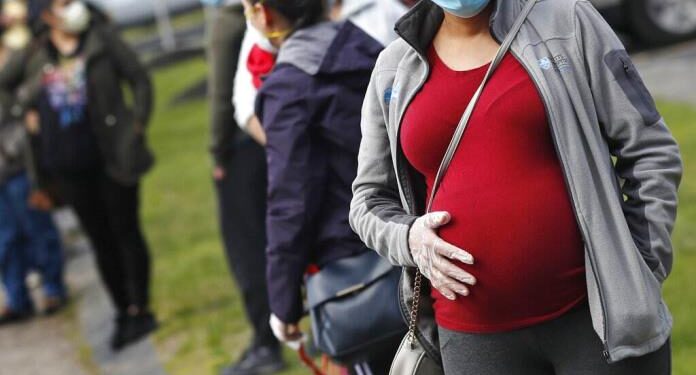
399,162
399,152
605,352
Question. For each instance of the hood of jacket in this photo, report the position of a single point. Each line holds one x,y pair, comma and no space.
330,48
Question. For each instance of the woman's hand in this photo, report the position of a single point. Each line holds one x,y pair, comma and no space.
219,173
433,255
255,130
32,122
40,200
289,334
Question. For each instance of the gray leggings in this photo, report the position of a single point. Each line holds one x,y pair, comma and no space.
565,346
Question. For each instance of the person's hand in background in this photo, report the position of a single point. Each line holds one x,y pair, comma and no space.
32,122
219,173
434,256
40,200
288,333
255,130
139,128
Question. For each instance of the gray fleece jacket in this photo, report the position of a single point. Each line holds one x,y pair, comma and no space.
598,108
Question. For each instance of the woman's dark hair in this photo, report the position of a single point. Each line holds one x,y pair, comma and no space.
300,13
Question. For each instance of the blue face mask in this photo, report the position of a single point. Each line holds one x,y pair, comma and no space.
462,8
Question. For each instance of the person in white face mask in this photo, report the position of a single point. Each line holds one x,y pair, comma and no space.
92,144
239,177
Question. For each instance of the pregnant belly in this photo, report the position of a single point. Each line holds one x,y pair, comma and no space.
529,257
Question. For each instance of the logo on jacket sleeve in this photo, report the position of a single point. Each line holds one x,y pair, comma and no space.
559,63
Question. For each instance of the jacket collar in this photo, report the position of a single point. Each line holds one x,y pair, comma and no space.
306,48
330,48
419,26
92,44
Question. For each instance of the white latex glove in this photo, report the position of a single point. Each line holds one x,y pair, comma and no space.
432,255
289,334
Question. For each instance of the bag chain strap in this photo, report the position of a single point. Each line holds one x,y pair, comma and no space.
418,280
414,309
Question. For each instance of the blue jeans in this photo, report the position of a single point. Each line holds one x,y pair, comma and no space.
28,240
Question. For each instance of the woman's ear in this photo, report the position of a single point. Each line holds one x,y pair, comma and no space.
265,16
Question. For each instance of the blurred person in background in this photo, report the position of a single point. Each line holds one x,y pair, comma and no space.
239,174
309,106
28,237
93,145
15,33
376,17
37,26
257,56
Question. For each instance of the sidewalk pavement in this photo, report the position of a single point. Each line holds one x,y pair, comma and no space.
40,347
95,316
55,345
670,73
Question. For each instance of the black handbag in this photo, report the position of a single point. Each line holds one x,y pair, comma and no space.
354,307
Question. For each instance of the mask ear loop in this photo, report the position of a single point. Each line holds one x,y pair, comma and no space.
270,35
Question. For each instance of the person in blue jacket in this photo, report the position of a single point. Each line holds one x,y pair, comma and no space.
309,106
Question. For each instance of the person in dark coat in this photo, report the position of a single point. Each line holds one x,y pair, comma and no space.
239,175
93,145
309,106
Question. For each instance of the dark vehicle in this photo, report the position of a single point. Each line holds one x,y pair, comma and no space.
652,21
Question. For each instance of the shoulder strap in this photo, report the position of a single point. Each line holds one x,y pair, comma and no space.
456,138
415,303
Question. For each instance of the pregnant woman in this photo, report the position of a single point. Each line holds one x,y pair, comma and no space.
537,262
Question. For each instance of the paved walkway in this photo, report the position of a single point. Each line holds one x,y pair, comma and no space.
95,315
670,73
52,346
40,347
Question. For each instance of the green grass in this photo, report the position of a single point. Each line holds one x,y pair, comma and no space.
680,288
85,354
178,22
204,328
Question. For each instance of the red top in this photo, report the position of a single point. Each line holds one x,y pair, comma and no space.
506,194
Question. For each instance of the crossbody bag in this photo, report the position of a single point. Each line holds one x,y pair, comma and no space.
411,358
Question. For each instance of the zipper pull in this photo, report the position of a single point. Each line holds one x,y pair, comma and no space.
605,354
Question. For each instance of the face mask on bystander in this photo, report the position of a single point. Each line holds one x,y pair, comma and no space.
75,17
261,40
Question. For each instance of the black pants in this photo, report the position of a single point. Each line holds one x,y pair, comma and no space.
242,212
109,214
564,346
